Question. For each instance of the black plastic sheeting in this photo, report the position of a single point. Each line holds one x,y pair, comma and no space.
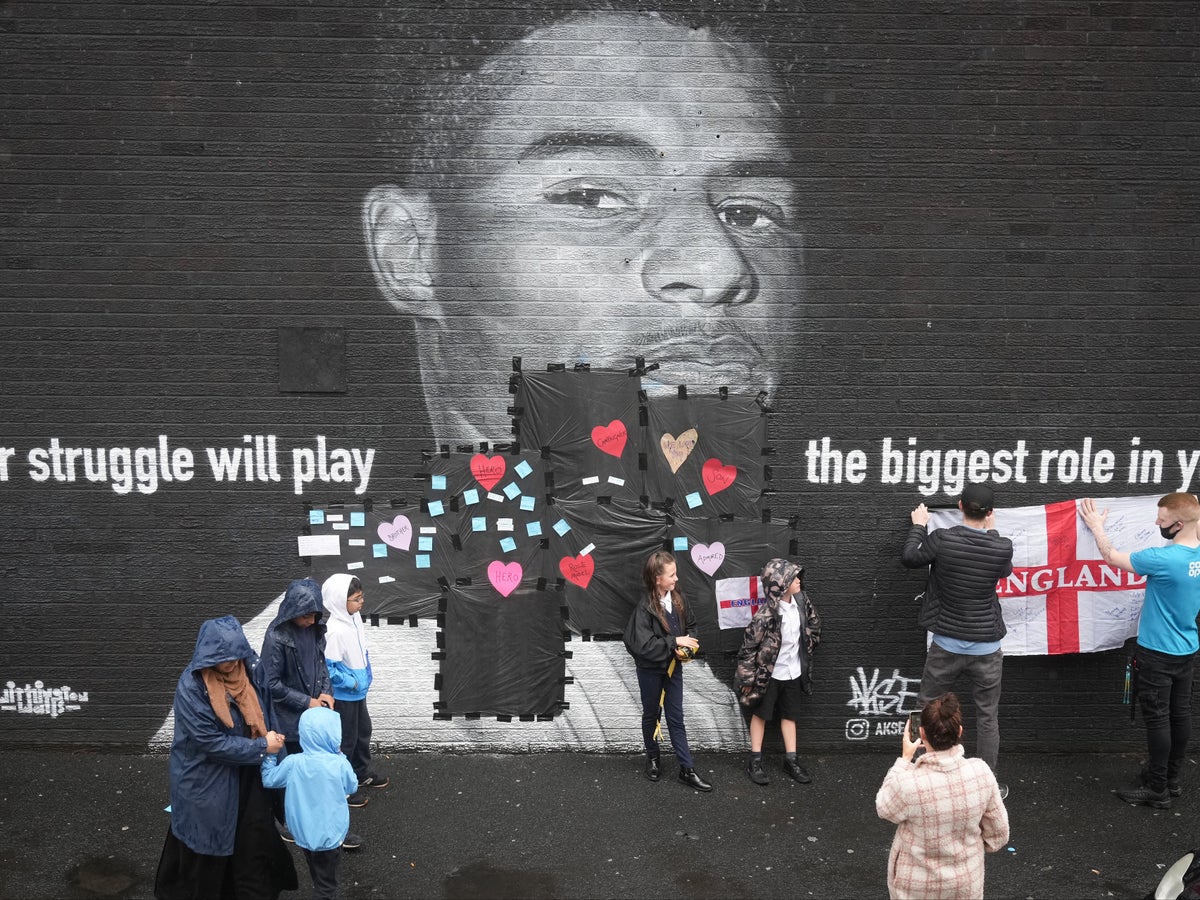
586,424
502,658
602,584
514,548
706,454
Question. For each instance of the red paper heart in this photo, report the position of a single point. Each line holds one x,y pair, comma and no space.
577,569
717,476
488,469
610,438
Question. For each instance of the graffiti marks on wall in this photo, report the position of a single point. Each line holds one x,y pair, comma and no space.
875,698
39,700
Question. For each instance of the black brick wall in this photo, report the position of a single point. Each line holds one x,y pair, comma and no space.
1000,220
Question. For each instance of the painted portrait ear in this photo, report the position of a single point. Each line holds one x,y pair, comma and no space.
398,226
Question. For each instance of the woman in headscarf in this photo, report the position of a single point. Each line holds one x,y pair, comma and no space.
222,842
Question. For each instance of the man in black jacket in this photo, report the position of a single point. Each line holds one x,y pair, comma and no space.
961,608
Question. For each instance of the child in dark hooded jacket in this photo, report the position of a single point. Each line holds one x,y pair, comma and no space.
317,782
774,666
293,651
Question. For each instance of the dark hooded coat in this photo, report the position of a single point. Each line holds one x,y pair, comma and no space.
763,636
206,755
296,669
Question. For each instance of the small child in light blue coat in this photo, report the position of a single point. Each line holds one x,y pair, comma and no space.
317,781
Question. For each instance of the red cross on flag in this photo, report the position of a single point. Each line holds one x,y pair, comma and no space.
737,600
1062,597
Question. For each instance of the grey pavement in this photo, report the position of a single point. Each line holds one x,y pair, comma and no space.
91,824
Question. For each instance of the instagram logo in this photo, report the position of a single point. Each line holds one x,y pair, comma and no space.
857,729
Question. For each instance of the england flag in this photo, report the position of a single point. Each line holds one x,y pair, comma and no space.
738,600
1061,596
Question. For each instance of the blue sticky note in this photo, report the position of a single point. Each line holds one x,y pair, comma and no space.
316,517
561,527
422,561
523,468
471,496
680,545
479,523
425,543
527,502
437,482
436,509
693,499
511,490
378,550
533,529
508,545
358,519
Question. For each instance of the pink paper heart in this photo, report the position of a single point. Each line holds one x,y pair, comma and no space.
505,576
611,437
717,476
396,533
708,558
677,449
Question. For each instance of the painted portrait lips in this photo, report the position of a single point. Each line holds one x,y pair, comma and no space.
730,357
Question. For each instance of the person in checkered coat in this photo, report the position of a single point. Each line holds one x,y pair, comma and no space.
947,809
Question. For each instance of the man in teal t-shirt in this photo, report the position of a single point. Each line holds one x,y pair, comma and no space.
1167,639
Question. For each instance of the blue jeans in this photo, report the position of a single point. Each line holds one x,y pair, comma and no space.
651,685
984,672
1165,695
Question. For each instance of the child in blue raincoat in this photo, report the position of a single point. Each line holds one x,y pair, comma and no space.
317,781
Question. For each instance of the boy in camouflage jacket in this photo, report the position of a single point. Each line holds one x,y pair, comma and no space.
774,666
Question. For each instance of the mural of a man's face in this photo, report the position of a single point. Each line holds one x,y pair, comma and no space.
623,189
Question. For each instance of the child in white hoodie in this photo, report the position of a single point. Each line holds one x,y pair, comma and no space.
349,665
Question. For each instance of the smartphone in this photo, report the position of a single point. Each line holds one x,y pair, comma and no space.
914,726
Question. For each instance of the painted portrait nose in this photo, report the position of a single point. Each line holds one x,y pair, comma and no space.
694,261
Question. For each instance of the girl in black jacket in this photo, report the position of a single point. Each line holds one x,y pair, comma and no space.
659,638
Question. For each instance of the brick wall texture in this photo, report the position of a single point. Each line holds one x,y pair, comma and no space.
964,230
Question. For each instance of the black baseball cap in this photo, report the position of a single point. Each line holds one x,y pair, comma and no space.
979,496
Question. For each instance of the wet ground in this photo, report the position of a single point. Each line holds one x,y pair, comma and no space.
90,825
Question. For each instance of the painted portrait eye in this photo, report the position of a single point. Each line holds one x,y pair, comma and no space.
588,200
750,215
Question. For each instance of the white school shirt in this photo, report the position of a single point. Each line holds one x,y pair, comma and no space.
787,664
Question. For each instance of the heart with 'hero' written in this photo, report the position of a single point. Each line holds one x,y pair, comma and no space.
678,449
611,438
396,533
717,476
505,576
488,469
577,569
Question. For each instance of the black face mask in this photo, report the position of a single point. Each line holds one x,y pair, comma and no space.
1170,531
